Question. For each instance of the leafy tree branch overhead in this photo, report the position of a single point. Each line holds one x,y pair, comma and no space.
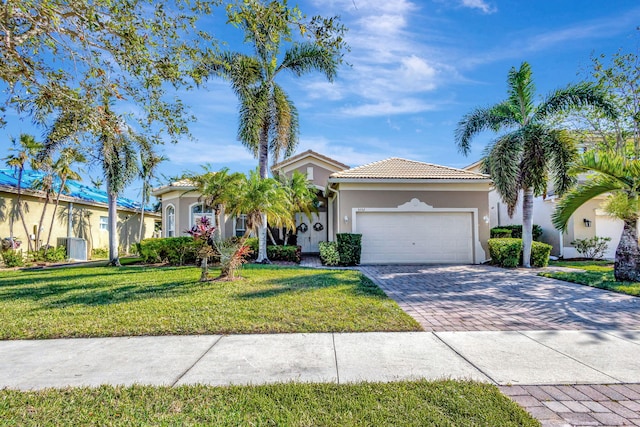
58,56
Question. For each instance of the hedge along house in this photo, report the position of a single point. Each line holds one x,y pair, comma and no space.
82,213
412,212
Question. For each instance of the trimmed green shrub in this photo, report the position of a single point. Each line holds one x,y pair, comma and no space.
329,253
52,255
13,258
507,252
540,254
349,248
171,250
103,253
284,253
500,233
516,231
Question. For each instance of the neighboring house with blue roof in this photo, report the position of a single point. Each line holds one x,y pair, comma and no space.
82,213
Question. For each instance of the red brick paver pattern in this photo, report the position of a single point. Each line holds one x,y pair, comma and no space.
485,298
580,405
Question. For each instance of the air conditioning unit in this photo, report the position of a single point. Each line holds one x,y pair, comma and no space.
76,247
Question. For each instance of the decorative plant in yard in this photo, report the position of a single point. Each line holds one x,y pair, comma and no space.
592,248
233,253
202,232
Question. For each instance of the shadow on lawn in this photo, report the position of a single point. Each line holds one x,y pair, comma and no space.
350,283
89,287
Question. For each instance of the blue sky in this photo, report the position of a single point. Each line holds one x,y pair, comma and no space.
416,68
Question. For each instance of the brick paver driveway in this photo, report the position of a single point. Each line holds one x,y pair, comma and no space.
481,298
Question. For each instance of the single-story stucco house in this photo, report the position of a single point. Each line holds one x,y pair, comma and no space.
82,213
407,211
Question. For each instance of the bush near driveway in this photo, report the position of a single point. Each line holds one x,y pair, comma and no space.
104,301
416,403
507,252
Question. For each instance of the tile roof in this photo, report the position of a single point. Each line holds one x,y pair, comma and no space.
396,168
75,189
309,153
184,184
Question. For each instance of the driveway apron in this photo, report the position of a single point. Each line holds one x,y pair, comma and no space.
485,298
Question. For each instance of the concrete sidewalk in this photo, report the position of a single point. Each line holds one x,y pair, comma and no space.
502,358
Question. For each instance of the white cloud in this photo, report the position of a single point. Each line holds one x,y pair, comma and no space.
479,4
388,108
188,153
390,65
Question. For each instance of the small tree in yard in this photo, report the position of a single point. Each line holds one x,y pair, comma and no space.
203,234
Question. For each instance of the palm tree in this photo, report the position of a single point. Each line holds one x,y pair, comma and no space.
24,153
619,177
531,151
257,197
44,185
64,171
216,190
301,193
268,117
118,159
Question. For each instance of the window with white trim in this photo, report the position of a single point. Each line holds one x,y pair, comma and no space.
171,221
241,225
198,211
104,223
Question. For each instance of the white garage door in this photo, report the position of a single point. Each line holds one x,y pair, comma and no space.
416,237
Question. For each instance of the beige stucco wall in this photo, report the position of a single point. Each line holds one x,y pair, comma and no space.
320,174
85,222
182,202
389,196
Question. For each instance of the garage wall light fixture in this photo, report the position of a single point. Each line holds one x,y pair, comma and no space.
587,223
346,218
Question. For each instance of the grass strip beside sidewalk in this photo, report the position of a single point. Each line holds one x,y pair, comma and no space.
417,403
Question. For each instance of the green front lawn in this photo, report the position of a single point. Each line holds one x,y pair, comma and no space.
104,301
598,274
419,403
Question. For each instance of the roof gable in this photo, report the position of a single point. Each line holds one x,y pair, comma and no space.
312,157
403,169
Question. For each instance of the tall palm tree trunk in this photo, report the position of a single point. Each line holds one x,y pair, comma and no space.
263,162
140,236
55,209
21,213
114,258
527,226
627,263
42,215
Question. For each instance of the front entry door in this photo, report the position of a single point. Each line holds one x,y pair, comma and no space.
314,232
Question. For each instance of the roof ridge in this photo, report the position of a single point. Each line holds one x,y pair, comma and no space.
309,152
